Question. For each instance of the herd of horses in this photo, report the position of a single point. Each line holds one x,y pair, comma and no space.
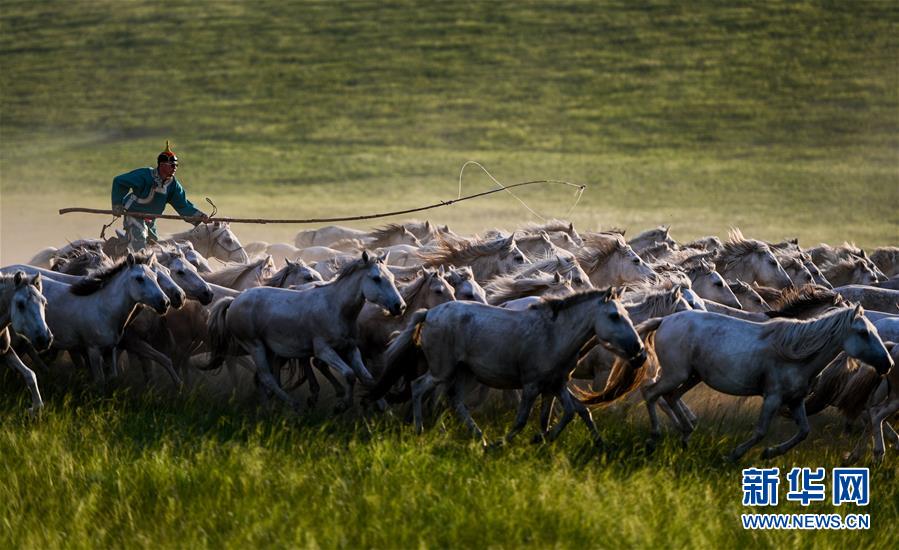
420,315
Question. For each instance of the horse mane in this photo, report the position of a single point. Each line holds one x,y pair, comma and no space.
555,305
505,288
279,279
842,268
769,294
411,290
799,340
653,303
557,263
793,302
737,247
381,235
447,252
230,274
354,266
655,233
885,257
788,260
694,270
82,263
548,226
654,251
98,279
458,274
598,251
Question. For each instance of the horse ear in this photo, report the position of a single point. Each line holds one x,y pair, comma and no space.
151,259
510,242
428,225
301,263
678,291
383,257
571,227
130,259
19,278
858,310
288,262
557,278
441,271
365,257
445,229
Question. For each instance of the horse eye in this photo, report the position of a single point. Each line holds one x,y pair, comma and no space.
376,278
519,259
636,260
772,262
139,278
21,306
578,281
180,272
719,284
615,316
438,291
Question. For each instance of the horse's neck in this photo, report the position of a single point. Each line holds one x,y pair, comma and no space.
573,326
345,295
219,292
114,302
604,275
714,307
640,312
248,279
824,355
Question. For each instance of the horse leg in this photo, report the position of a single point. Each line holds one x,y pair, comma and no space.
263,370
327,354
878,415
147,351
769,408
664,385
420,387
95,358
455,395
798,411
546,412
113,369
567,415
891,434
528,397
314,387
359,367
585,415
12,360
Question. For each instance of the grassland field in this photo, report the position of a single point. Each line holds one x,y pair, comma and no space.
781,118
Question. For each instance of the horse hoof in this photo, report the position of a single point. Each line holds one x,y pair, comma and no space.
769,452
650,446
538,439
310,403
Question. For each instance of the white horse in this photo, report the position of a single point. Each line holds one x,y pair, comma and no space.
215,240
273,325
91,314
777,360
22,309
750,260
534,350
609,261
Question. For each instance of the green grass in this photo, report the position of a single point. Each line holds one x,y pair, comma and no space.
781,118
148,472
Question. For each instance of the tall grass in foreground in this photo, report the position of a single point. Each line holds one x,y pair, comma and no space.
153,472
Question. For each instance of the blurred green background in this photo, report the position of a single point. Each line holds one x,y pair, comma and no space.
778,118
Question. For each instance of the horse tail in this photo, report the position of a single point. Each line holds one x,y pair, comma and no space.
44,258
401,357
218,335
625,376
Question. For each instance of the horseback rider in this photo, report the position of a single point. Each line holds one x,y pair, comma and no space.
148,190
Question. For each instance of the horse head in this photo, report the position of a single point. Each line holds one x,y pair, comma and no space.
26,310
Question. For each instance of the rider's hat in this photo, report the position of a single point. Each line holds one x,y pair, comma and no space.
168,155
